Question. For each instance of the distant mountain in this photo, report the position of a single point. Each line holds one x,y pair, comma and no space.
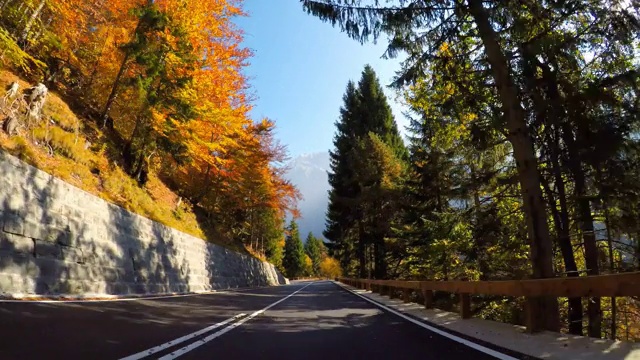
309,173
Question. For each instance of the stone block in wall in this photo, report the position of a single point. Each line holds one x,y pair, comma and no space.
72,254
53,286
13,223
110,274
47,233
15,243
47,249
95,287
16,284
19,264
119,288
51,268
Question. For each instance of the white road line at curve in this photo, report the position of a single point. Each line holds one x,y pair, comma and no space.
209,338
52,301
458,339
168,344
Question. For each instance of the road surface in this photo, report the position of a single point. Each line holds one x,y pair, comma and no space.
308,320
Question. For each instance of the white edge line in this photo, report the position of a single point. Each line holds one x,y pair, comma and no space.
209,338
466,342
179,340
140,298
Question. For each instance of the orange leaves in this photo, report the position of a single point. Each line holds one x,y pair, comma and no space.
233,164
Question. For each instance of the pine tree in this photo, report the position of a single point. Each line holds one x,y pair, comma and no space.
312,248
420,31
365,111
294,256
164,55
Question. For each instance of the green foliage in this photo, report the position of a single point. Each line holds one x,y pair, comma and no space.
12,55
313,247
294,256
507,100
160,49
364,164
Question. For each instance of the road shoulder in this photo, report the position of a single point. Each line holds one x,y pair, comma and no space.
544,345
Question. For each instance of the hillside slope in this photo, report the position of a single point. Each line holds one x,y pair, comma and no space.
78,152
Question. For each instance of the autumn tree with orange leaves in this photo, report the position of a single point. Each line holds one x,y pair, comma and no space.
163,80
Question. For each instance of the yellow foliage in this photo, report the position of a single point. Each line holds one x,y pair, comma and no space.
68,144
330,268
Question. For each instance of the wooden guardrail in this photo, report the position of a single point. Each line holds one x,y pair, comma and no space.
615,285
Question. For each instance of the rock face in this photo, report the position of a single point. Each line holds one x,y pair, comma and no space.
58,239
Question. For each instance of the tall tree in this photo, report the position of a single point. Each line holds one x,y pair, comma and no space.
544,64
365,111
313,249
294,256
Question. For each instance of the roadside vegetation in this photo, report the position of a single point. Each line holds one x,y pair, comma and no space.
144,103
522,159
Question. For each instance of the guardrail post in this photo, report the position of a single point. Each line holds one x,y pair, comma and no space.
428,298
465,306
392,292
384,290
406,294
533,319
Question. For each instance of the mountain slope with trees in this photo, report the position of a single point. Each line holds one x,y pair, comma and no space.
147,107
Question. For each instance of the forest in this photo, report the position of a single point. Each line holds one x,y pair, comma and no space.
523,151
145,104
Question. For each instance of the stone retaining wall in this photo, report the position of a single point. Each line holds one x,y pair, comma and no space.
58,239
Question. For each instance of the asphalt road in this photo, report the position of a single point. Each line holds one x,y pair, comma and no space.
306,321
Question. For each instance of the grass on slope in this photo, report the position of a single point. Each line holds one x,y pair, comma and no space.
75,151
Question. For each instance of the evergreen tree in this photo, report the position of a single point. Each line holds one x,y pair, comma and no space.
365,111
534,104
294,256
313,249
163,54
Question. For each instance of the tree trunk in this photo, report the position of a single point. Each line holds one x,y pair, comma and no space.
590,252
362,257
585,218
541,249
379,250
114,90
561,223
22,40
614,308
116,83
560,217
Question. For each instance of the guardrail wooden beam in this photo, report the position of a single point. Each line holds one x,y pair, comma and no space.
613,285
625,284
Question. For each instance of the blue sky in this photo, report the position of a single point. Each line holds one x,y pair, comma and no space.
300,69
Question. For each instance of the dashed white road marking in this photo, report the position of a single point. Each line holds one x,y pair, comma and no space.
153,350
209,338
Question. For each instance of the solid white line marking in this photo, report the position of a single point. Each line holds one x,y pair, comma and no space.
180,340
199,343
51,301
466,342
